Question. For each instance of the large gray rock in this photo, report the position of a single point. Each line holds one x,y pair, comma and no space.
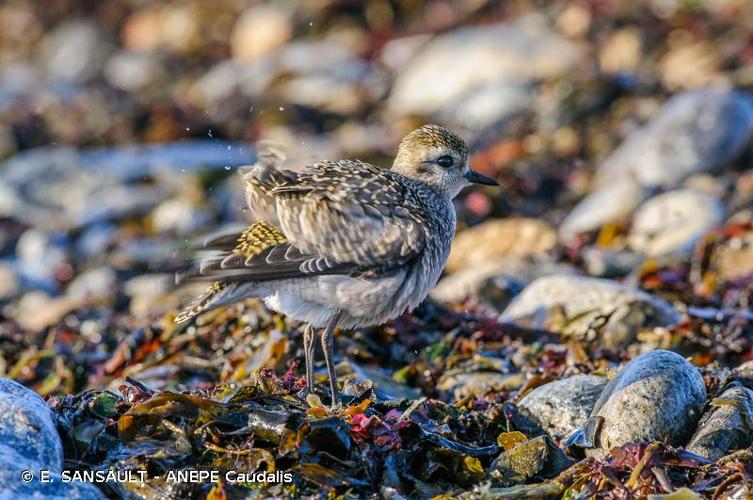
562,406
29,441
484,57
583,300
695,131
726,425
656,396
27,426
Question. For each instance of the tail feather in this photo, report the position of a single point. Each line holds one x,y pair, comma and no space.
206,301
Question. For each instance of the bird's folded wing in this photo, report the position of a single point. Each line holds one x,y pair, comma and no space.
350,212
260,253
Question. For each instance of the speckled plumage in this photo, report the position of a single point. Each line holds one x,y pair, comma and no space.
344,242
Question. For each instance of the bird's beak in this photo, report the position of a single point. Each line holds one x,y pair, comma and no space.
478,178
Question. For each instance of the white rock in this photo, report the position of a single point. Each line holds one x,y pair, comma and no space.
583,300
99,282
74,51
611,203
130,71
578,294
489,104
672,222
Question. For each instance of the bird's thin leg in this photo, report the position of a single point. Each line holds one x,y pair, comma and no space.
328,346
308,351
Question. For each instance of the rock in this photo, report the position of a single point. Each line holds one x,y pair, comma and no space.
95,240
39,254
656,396
30,441
101,282
733,259
322,74
150,295
726,425
260,30
500,55
695,131
496,281
178,215
131,71
488,105
477,384
397,52
621,52
536,458
611,203
74,51
562,406
499,238
744,374
9,285
690,65
672,222
609,263
63,188
342,82
27,426
583,300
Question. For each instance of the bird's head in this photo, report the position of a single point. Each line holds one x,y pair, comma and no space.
437,157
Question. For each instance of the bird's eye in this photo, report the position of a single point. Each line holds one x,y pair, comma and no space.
445,161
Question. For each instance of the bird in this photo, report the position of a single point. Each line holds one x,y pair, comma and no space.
341,243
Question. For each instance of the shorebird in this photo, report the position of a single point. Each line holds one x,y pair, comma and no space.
342,244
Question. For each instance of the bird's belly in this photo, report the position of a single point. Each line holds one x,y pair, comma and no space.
364,302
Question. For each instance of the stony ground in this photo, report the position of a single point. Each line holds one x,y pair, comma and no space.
591,336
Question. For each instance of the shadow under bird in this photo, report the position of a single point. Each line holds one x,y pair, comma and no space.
342,243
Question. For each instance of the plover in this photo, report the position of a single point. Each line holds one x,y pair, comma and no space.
342,244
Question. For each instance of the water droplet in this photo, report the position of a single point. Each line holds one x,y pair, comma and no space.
282,108
229,148
311,23
210,133
227,167
183,170
188,129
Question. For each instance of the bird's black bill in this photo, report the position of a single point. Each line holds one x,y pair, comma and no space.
478,178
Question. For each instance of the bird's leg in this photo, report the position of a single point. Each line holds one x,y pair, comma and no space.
328,346
308,351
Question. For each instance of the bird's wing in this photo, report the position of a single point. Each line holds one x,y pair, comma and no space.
348,212
260,253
